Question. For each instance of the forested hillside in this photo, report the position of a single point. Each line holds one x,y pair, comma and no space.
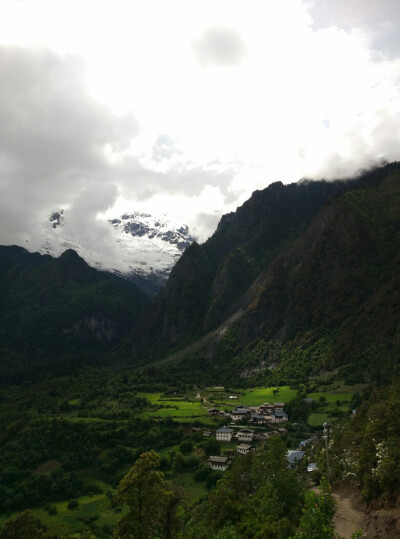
59,313
312,283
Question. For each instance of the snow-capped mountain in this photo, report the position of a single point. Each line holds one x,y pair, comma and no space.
144,247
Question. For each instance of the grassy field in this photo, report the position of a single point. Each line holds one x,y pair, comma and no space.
254,397
178,409
317,419
183,410
332,397
333,401
194,490
93,513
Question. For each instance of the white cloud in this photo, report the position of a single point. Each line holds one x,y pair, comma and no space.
185,104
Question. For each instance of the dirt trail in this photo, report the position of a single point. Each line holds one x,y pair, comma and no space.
347,519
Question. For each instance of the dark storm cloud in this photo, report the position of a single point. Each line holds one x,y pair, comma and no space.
380,18
219,46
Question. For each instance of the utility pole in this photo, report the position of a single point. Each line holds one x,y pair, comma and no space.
325,437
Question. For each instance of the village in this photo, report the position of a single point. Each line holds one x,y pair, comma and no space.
247,439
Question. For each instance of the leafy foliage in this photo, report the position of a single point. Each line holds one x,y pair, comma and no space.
258,497
144,491
365,450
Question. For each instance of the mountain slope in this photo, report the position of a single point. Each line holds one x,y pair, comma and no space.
209,279
322,300
59,312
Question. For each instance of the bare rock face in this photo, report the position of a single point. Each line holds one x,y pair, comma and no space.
103,329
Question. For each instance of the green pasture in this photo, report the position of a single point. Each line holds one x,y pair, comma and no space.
194,490
257,396
179,410
318,419
331,397
67,521
153,398
334,401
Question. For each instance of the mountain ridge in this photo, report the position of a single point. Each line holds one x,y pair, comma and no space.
303,296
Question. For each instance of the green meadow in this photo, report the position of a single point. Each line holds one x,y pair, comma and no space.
251,397
93,513
178,409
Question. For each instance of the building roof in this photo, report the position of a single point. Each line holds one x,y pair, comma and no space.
241,411
280,414
280,404
312,466
225,429
294,455
244,446
304,443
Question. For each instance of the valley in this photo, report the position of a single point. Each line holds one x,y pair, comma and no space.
276,339
68,427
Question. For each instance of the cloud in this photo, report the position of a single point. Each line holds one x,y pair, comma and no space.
229,98
219,46
380,19
53,136
60,148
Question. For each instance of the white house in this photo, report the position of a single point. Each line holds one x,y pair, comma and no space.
257,418
243,449
245,435
224,434
240,412
219,464
279,417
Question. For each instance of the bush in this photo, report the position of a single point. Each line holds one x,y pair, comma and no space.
212,479
73,504
186,446
202,473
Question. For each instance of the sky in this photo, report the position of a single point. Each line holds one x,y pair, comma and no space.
186,107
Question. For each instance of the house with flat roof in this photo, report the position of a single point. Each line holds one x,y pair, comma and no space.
219,464
244,449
